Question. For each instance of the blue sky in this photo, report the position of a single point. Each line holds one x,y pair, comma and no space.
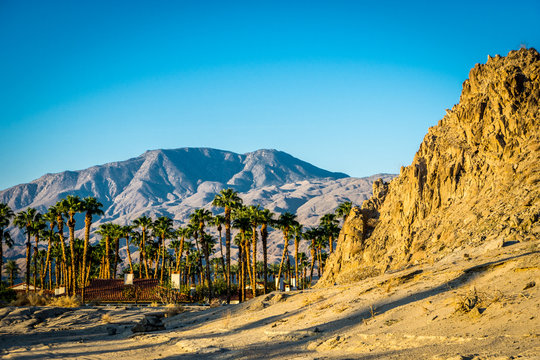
349,86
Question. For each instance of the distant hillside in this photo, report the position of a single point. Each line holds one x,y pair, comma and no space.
174,182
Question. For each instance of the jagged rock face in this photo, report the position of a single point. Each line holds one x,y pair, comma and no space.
475,179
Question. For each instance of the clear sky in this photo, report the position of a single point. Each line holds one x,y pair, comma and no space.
349,86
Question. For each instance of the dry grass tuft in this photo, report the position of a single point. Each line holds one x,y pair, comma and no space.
154,304
173,309
31,299
215,303
65,301
106,318
312,298
466,302
227,320
279,297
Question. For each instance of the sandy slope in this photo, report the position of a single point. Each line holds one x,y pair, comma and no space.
409,314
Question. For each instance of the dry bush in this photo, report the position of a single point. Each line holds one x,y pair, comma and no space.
31,299
173,309
106,318
227,319
341,308
356,275
312,298
65,301
279,297
154,304
464,303
215,303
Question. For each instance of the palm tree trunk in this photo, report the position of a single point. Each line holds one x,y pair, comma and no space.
296,260
221,251
228,251
47,261
254,280
116,256
1,252
87,224
208,274
129,254
157,259
264,235
312,260
27,260
162,259
71,226
285,247
240,273
143,249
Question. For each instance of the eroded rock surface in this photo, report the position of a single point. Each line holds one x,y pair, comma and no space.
474,181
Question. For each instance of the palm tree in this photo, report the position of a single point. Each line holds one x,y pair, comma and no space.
242,223
144,222
163,228
218,222
91,207
5,218
182,233
202,216
312,234
227,199
60,225
255,216
25,220
13,270
266,218
106,231
329,224
285,222
51,217
70,206
116,234
297,231
343,210
127,230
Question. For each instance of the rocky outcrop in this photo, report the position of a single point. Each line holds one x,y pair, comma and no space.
474,181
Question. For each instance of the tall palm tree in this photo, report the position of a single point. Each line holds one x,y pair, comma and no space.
203,216
266,219
127,231
143,222
106,231
90,206
218,222
13,270
51,217
70,206
285,222
329,224
116,234
60,225
241,222
181,233
163,228
343,210
36,228
255,216
6,214
297,232
25,220
227,199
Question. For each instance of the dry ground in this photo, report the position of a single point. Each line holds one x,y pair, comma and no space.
477,305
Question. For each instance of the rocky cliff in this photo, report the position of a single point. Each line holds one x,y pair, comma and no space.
474,184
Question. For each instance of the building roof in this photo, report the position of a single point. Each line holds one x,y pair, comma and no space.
115,290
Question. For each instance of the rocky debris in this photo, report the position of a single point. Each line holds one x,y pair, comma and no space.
150,322
29,316
475,180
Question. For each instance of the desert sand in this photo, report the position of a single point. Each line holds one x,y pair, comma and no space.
473,305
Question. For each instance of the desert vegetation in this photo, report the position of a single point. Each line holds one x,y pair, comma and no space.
196,252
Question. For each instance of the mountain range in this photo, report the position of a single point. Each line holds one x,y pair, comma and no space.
173,182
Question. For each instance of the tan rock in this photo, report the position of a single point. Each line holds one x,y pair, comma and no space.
476,176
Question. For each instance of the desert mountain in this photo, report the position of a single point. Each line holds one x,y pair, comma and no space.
474,184
174,182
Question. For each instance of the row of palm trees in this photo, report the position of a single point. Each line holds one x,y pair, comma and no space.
74,270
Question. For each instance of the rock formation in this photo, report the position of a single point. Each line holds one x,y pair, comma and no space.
474,182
